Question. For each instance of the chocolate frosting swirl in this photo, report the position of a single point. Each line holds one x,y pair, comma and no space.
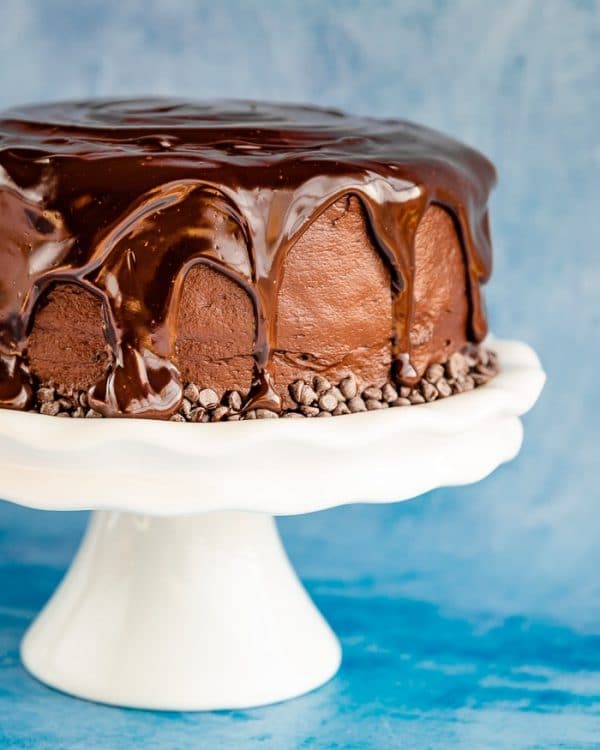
123,197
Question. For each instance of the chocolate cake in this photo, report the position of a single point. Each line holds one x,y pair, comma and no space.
219,261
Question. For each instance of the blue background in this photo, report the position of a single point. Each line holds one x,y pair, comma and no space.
470,617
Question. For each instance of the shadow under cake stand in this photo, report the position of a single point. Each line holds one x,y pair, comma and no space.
181,595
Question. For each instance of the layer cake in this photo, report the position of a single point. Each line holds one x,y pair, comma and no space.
233,260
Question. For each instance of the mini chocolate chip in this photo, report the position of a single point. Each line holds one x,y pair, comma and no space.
328,402
480,379
416,398
373,404
92,414
348,387
323,414
186,408
434,373
372,392
250,414
429,391
321,384
234,400
401,402
456,366
45,395
295,390
292,415
177,418
468,383
197,414
208,398
486,370
192,393
389,393
219,414
456,385
335,391
308,396
341,409
50,408
356,404
443,388
309,411
404,391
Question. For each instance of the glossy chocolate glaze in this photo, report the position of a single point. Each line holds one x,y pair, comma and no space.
124,197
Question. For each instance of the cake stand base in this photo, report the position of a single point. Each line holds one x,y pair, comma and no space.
182,613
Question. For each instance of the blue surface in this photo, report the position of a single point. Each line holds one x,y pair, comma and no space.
470,618
415,674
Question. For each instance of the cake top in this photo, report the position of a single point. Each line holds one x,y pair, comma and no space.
250,141
123,196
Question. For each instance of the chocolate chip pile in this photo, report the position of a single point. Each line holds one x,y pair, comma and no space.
317,398
61,401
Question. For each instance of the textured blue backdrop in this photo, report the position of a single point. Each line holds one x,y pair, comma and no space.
470,617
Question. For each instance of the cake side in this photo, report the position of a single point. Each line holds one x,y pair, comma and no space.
337,270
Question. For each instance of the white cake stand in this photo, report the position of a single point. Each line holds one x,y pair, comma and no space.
181,595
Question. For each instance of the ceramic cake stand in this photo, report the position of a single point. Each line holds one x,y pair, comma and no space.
181,595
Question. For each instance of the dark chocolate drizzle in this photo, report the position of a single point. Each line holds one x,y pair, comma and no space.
124,197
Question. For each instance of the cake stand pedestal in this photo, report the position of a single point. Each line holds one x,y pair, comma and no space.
181,596
182,613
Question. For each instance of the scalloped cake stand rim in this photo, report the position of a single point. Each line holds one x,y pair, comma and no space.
278,467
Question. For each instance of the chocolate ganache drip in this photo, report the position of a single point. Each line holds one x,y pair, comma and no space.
124,197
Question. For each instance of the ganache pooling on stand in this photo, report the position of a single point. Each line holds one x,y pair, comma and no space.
124,198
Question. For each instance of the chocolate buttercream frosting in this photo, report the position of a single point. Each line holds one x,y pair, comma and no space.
126,200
